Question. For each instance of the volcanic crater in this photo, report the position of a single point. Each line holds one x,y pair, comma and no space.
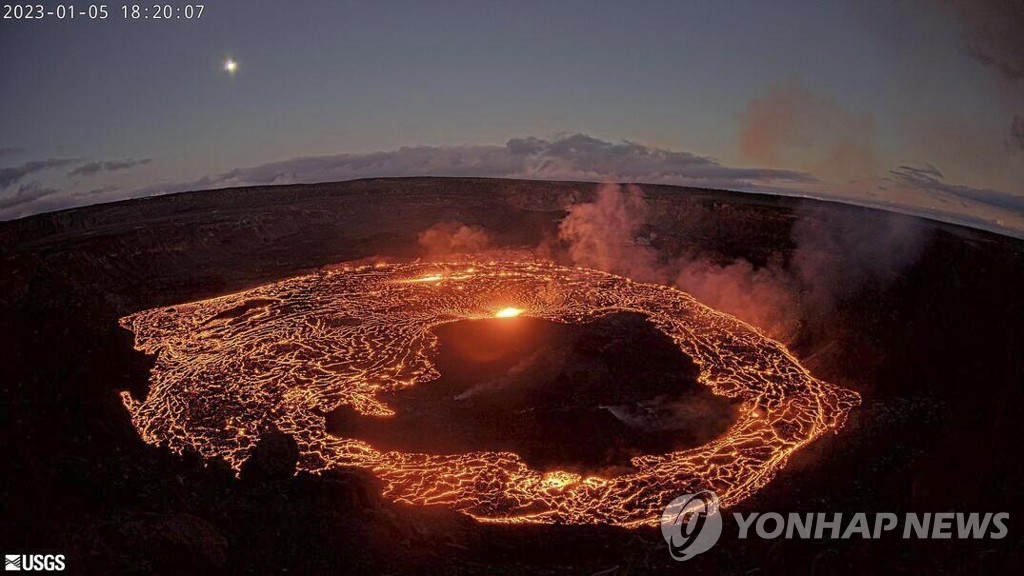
581,397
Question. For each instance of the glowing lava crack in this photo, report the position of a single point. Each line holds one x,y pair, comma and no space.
286,353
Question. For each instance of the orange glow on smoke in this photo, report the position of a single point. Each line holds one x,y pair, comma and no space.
287,353
508,313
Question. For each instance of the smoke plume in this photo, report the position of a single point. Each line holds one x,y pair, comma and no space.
606,234
792,126
765,297
835,254
453,238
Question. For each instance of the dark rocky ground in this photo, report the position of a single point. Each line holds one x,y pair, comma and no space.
935,351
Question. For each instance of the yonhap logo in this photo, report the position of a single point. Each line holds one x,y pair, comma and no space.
691,524
32,562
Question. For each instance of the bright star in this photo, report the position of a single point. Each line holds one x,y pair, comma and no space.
230,66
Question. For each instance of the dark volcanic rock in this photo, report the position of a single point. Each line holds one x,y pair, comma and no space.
177,543
190,538
273,459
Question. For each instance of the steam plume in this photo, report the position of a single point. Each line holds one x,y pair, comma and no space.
835,254
453,238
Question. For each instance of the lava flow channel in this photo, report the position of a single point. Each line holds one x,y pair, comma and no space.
284,354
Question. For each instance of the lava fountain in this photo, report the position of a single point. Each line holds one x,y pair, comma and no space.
285,354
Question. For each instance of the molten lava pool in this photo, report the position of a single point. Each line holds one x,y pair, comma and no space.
287,354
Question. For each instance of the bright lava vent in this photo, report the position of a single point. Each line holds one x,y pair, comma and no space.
508,313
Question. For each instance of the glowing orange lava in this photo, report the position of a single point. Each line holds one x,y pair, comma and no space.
508,313
287,353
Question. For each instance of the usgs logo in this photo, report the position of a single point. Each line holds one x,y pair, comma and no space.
34,562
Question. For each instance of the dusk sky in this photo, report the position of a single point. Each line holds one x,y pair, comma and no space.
915,104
